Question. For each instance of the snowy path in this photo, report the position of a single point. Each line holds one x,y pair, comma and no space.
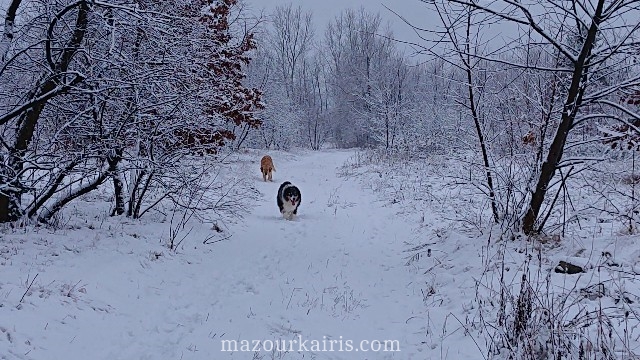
336,272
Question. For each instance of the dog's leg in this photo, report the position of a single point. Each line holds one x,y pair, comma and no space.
270,175
286,215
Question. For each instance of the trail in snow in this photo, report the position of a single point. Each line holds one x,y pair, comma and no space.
336,272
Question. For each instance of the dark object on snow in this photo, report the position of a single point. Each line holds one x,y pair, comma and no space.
624,298
568,268
289,198
594,292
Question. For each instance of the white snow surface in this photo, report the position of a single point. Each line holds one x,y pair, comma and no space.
109,289
375,254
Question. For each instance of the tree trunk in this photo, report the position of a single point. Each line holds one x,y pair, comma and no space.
483,147
53,187
118,184
571,106
134,180
46,215
113,160
118,190
7,37
136,211
11,196
477,122
10,206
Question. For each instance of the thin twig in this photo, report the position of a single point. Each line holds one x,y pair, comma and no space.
29,287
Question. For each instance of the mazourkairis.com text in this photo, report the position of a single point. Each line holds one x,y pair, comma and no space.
300,345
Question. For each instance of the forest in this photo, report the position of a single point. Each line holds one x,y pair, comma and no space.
99,92
531,134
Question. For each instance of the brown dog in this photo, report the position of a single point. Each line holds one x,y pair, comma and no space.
266,167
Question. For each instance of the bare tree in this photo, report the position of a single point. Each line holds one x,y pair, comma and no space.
358,46
468,65
316,88
592,38
60,51
292,40
118,91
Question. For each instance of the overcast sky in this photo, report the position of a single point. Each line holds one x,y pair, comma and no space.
326,10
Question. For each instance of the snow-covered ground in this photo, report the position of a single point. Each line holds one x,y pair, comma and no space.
108,289
344,270
503,289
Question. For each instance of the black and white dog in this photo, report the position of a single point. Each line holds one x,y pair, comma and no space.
289,199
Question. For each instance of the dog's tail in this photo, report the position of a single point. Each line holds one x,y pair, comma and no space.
273,168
